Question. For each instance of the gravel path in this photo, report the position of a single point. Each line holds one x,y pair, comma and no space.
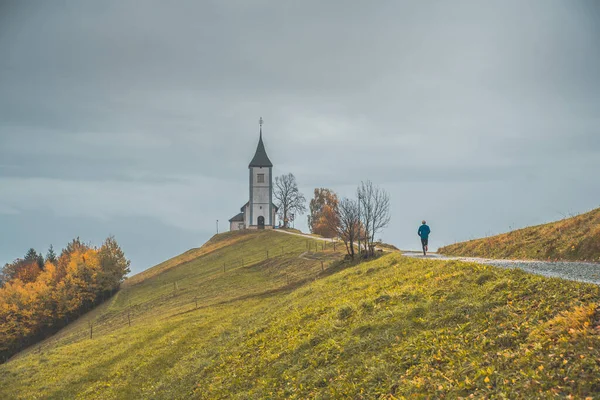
573,271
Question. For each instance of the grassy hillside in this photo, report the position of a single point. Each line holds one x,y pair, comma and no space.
283,328
575,239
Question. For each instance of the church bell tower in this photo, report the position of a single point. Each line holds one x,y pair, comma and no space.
260,207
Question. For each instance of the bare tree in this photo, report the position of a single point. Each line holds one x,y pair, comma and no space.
374,203
349,223
365,209
288,198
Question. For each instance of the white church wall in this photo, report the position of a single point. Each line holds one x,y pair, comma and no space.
260,210
236,225
261,195
247,215
264,171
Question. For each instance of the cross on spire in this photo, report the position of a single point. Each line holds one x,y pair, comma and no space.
260,123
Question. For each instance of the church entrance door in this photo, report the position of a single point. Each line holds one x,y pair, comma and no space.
261,222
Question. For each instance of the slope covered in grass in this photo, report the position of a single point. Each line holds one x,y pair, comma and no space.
283,328
574,239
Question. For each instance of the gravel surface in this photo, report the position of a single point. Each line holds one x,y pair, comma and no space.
573,271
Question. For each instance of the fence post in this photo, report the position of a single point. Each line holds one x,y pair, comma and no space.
333,246
322,268
129,316
91,330
267,254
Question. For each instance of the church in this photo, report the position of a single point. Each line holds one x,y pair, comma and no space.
259,212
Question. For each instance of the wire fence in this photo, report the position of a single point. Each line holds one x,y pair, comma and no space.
178,291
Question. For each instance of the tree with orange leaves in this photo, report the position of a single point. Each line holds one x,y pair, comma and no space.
323,218
36,301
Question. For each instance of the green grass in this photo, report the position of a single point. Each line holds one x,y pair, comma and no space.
572,239
283,328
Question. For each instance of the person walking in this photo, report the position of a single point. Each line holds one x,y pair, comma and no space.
423,233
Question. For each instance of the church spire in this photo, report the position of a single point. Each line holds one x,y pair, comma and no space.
260,158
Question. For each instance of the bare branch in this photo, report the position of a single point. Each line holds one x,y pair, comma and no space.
349,223
288,198
374,211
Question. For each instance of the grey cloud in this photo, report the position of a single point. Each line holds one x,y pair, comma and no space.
115,109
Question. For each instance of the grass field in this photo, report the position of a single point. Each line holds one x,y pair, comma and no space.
574,239
286,327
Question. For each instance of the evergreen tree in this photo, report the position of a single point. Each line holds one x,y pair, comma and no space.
51,256
40,261
31,255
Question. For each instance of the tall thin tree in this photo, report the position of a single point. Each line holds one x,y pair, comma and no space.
288,198
349,223
374,211
51,255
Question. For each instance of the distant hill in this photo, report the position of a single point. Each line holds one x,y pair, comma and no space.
229,321
574,239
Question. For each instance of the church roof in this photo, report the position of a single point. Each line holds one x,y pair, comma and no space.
247,203
260,157
239,217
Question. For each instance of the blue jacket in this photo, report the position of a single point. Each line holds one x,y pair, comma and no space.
424,231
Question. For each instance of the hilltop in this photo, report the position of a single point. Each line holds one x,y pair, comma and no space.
227,320
571,239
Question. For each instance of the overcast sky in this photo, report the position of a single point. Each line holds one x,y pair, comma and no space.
139,119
